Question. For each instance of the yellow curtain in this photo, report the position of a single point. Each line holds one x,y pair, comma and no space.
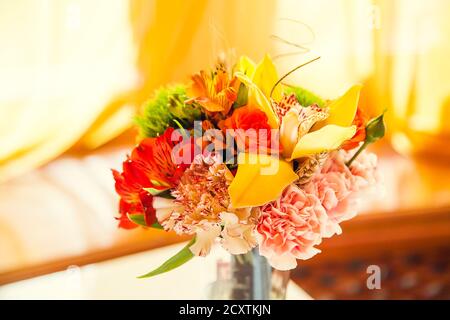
61,62
75,70
178,42
412,74
398,49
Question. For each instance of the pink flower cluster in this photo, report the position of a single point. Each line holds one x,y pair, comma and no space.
292,226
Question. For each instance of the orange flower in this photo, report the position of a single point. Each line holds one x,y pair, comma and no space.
206,139
215,92
359,121
249,118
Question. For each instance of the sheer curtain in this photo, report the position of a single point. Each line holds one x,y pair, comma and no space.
61,63
74,71
413,74
398,49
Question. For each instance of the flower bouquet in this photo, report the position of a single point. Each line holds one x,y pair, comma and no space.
238,157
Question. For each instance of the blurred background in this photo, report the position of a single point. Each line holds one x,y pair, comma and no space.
74,72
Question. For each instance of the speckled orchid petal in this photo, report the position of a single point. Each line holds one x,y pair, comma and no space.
259,180
289,131
325,139
296,123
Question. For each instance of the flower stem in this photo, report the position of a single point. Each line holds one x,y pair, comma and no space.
289,73
363,146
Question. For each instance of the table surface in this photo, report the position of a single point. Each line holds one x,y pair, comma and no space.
116,279
47,224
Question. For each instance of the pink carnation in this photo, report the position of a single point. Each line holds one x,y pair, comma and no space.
339,187
290,227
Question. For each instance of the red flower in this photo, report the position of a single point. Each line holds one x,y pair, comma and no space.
151,165
246,118
134,199
360,135
153,156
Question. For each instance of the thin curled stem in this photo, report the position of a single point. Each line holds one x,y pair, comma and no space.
301,46
289,73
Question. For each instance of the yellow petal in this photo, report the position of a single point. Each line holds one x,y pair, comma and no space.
343,109
258,99
259,180
289,131
327,138
266,76
246,66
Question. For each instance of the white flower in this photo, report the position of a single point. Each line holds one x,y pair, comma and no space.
283,261
164,208
237,238
205,237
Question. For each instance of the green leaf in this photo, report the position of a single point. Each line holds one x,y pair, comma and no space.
139,219
183,256
375,129
156,225
242,96
164,193
305,97
155,191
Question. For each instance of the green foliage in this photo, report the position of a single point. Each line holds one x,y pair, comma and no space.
305,97
242,96
164,193
139,219
167,109
183,256
375,130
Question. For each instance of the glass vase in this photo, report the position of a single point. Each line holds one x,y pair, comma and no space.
247,277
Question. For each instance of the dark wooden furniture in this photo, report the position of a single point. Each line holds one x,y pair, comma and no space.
407,234
412,250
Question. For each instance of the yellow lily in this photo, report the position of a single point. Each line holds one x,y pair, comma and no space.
326,135
246,66
251,187
264,75
343,109
259,80
259,180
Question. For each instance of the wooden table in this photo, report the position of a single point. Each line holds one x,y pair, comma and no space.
60,215
116,279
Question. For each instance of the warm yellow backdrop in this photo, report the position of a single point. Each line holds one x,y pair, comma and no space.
75,71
